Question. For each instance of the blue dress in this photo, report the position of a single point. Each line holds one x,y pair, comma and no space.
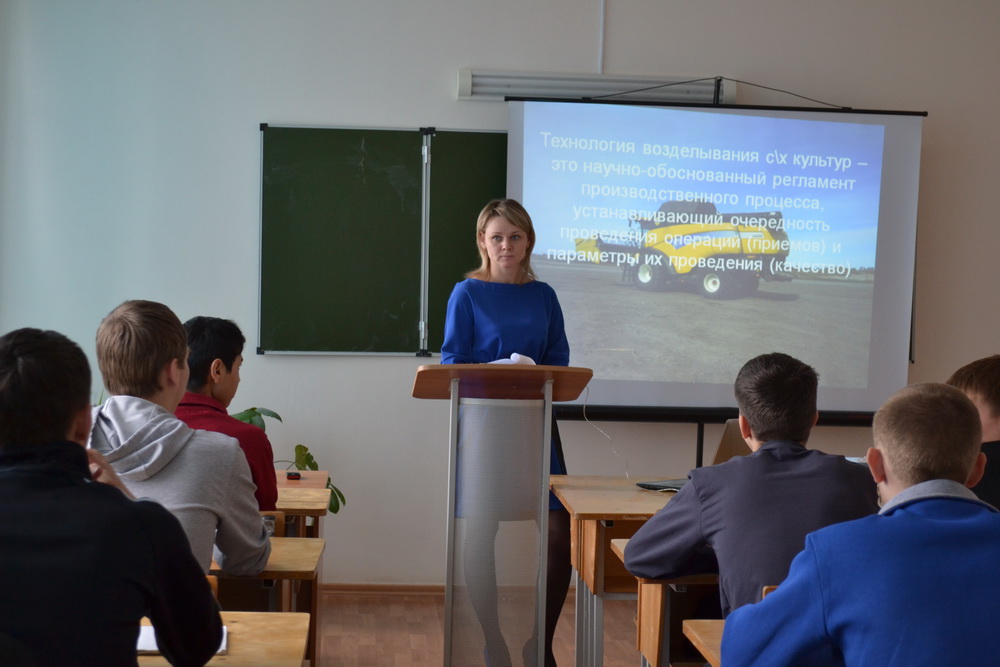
489,321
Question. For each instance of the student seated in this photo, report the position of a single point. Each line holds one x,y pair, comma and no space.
754,511
215,357
200,476
82,562
980,381
918,584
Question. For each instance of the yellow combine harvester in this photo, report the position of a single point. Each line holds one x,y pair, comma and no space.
725,255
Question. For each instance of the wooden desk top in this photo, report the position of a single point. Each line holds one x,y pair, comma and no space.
256,638
595,497
310,479
502,381
618,547
706,635
291,558
299,501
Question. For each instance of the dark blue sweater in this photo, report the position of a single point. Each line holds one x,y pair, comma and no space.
81,564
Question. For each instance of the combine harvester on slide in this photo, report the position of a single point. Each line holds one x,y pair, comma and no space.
723,255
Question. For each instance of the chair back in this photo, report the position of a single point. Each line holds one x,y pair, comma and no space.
767,589
275,521
213,582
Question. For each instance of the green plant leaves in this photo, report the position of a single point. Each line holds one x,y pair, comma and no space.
304,460
337,499
256,416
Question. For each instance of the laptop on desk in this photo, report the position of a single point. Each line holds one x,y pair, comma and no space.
663,484
730,444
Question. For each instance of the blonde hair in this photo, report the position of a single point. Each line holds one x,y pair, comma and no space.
928,431
511,211
134,343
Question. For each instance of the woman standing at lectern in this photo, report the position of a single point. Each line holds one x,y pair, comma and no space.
501,309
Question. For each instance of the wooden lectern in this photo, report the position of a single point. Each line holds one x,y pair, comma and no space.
498,462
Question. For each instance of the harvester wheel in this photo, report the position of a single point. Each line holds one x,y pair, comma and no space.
720,285
650,275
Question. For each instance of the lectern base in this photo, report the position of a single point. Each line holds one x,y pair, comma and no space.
491,619
496,574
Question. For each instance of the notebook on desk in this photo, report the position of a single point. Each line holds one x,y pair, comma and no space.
146,643
663,484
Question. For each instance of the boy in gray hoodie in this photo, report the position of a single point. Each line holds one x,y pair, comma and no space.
200,476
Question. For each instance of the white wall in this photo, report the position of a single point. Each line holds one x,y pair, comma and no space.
129,168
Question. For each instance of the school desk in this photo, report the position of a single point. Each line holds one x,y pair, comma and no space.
256,639
601,508
300,504
295,560
659,613
706,635
308,479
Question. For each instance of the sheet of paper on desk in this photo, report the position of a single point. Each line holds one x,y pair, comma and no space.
147,641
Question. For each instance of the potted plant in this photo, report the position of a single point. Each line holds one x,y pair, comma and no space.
304,460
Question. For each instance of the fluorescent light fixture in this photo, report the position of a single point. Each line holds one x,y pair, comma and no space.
496,85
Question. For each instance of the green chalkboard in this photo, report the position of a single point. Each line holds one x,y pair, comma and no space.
468,169
341,229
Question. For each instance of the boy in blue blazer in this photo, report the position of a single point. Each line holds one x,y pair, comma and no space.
916,584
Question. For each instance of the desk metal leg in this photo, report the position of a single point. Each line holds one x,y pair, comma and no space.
308,600
581,618
597,630
589,625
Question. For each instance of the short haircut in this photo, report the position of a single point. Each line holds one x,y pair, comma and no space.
980,379
513,212
776,394
211,338
134,343
44,384
928,431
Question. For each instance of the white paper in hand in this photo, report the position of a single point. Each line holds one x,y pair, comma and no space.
516,359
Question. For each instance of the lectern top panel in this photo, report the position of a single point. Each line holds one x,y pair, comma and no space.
502,381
